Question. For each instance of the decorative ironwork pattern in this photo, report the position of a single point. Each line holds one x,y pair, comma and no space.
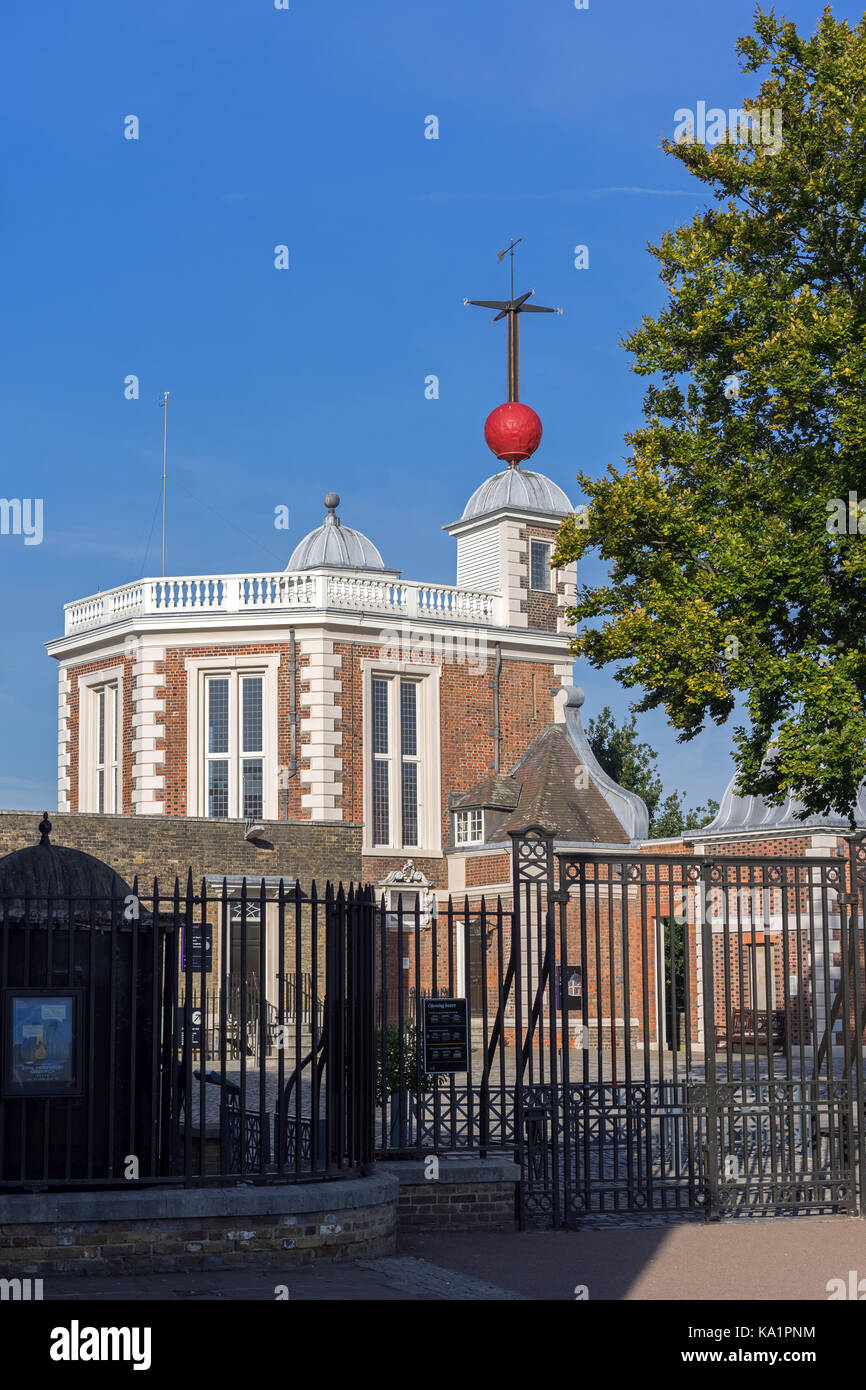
708,1058
534,850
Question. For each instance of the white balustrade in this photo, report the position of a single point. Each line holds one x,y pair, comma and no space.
242,593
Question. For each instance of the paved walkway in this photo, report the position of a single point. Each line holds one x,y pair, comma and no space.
748,1259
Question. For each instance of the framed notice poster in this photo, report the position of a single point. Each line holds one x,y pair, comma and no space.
43,1044
201,948
445,1035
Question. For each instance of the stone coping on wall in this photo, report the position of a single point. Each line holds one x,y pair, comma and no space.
177,1203
465,1193
410,1172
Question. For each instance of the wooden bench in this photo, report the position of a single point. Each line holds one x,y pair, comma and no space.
750,1026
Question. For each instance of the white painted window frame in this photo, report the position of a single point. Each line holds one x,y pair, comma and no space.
89,686
427,675
539,540
468,840
198,669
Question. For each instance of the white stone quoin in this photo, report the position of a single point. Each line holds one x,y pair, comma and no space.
63,740
148,725
320,739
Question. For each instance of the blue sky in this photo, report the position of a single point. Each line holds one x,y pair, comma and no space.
305,127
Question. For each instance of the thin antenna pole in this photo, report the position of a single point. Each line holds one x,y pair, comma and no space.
163,404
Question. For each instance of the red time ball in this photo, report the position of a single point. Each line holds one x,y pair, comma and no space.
513,431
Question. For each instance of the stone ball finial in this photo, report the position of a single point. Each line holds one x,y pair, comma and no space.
332,501
44,829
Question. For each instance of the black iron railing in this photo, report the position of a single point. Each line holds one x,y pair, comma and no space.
138,1044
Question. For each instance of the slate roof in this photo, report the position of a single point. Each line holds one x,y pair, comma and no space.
544,789
493,793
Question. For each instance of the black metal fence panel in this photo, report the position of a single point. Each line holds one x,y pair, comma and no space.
190,1037
459,952
647,1033
694,1033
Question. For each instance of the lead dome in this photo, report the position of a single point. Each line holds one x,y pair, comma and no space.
517,489
335,545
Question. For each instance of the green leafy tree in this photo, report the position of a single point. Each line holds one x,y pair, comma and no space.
673,819
633,765
402,1058
628,762
735,540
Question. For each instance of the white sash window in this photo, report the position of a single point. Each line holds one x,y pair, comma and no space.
232,749
100,763
402,763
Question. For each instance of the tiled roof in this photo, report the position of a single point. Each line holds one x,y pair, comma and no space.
559,785
546,789
554,796
493,792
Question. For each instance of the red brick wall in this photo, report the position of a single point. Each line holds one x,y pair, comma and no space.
377,866
465,722
542,609
770,848
175,742
488,868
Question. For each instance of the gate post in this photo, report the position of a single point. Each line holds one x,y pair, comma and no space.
855,900
711,1158
365,984
531,862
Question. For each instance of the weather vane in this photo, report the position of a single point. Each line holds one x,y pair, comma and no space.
512,430
510,309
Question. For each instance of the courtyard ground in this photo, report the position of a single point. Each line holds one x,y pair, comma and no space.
751,1259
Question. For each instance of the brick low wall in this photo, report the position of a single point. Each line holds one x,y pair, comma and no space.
469,1194
166,846
227,1228
157,1230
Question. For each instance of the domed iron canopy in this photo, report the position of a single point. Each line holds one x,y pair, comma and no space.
336,546
66,881
749,814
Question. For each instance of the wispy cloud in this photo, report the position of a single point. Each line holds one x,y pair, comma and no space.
631,188
564,194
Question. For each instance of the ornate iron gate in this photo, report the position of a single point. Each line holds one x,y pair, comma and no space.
692,1032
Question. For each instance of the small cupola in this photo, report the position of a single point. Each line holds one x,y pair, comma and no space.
505,543
335,546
